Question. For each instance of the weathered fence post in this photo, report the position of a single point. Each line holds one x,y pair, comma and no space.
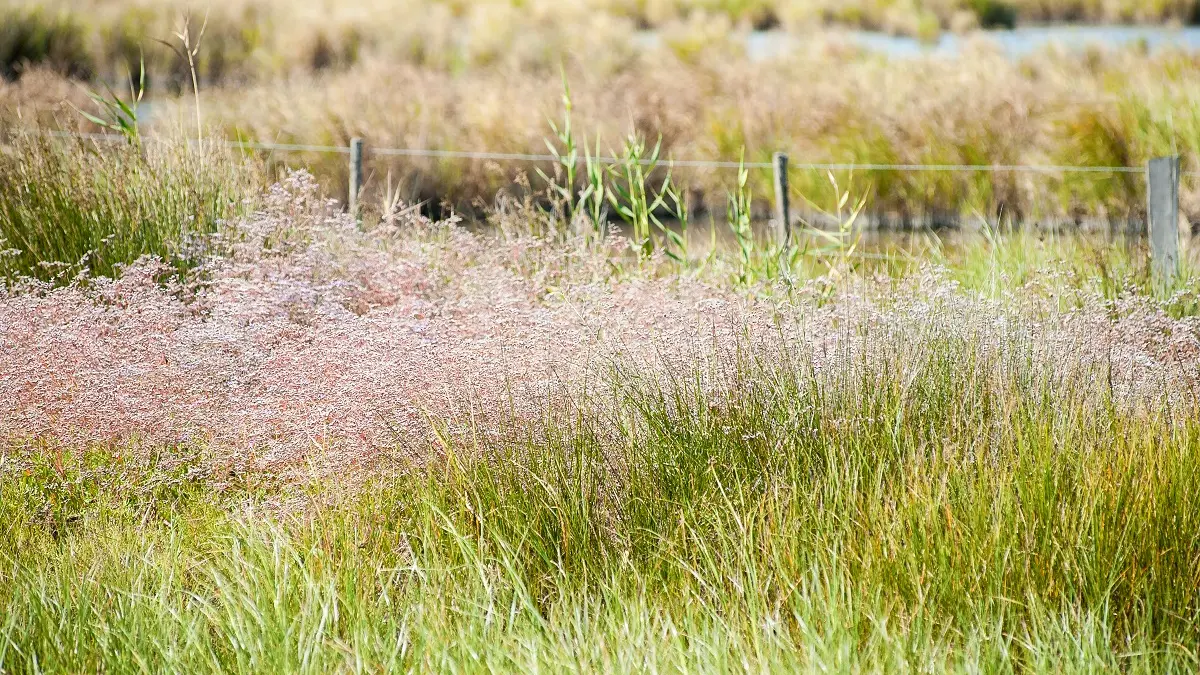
1162,178
783,216
356,175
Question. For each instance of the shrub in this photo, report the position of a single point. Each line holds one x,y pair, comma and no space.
33,37
995,13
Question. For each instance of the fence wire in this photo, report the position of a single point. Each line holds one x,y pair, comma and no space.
690,163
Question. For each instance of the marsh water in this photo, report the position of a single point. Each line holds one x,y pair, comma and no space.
1016,42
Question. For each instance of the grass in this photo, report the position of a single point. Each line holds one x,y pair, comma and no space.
962,513
1097,109
872,465
273,74
36,37
66,206
268,38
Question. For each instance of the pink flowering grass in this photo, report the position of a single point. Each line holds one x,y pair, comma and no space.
414,447
304,341
304,338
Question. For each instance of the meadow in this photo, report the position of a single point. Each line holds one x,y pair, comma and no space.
320,445
595,418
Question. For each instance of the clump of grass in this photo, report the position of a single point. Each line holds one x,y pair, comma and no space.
738,215
565,149
995,13
625,184
645,472
70,205
635,199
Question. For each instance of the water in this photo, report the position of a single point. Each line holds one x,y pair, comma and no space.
1019,42
1023,41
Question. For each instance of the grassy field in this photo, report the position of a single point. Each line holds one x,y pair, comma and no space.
944,519
608,422
486,76
269,37
706,100
823,104
407,445
74,208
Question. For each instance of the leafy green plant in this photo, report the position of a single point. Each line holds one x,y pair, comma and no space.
593,199
738,217
118,115
635,199
564,148
837,246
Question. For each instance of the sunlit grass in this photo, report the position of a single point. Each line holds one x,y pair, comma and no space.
268,38
942,473
953,514
73,205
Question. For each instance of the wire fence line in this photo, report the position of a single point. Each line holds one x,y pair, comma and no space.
689,163
1162,176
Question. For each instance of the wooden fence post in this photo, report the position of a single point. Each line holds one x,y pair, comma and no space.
1162,178
356,175
783,215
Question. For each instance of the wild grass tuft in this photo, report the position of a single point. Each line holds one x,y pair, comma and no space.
34,36
70,205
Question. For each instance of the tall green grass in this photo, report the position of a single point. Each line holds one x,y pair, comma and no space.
66,205
965,513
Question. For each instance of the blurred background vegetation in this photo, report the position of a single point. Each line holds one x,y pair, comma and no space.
485,76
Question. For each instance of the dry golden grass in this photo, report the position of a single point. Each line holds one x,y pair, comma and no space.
484,76
827,104
264,38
